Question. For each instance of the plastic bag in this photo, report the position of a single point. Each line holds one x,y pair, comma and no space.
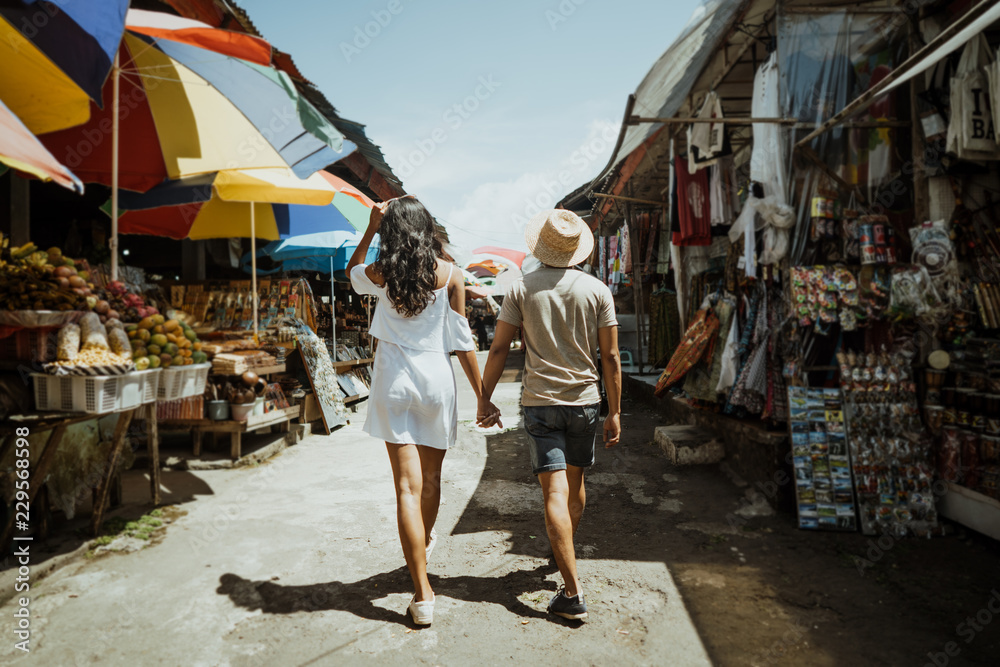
92,333
68,342
912,292
118,340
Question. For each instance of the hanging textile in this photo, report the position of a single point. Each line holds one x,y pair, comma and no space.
704,376
626,249
693,208
971,133
768,159
696,343
707,142
652,226
729,358
750,390
680,280
602,259
718,200
664,326
776,405
663,246
613,263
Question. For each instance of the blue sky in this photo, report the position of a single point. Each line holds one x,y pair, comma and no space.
487,111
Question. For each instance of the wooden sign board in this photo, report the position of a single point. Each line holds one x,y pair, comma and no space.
322,377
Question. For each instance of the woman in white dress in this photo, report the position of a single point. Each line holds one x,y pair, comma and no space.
419,321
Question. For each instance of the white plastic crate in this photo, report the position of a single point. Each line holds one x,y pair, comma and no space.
183,381
96,394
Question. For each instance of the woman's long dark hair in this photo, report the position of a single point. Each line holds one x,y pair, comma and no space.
408,255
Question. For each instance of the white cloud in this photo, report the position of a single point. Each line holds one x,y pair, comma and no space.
495,212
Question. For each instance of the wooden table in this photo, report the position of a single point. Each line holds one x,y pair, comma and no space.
235,429
58,422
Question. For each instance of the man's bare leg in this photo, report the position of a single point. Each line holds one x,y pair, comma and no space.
559,525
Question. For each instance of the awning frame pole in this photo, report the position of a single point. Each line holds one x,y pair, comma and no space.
115,83
253,265
333,311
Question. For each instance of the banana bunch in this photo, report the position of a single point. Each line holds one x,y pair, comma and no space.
22,252
32,288
37,260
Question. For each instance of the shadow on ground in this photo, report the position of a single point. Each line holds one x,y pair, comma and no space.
758,590
359,597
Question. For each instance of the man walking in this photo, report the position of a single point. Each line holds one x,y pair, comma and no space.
567,315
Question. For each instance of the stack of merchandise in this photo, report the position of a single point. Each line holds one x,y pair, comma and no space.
889,448
236,363
192,407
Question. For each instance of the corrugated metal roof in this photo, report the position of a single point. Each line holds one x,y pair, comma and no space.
665,88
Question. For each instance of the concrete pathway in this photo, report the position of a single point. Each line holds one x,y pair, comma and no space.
297,562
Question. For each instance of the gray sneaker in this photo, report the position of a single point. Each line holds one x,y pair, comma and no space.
573,608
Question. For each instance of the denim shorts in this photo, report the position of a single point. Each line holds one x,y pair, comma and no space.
561,435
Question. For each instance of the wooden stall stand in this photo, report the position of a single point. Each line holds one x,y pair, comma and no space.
39,422
198,427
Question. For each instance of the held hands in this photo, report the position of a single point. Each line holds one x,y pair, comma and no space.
488,415
612,430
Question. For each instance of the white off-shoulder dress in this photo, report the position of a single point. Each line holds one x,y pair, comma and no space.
412,399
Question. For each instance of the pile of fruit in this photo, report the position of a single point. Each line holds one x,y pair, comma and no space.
33,279
161,343
116,302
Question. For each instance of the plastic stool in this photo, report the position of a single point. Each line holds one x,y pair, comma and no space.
626,357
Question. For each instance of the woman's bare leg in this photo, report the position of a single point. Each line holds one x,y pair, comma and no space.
408,479
430,498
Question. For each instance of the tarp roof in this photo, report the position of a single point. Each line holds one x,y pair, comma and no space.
671,79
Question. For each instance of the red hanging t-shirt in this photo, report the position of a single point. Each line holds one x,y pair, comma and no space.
693,208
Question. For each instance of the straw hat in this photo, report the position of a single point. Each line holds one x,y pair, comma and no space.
559,238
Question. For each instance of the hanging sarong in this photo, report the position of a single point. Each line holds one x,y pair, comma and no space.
697,341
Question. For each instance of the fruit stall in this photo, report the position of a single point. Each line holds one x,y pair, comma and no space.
76,383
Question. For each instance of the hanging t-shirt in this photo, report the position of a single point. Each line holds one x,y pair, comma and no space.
693,208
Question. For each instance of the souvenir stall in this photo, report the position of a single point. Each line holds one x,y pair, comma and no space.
824,254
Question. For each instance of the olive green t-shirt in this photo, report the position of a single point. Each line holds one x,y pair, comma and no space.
561,311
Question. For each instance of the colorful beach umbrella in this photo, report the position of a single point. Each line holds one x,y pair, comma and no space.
213,206
185,110
220,216
56,58
20,149
485,268
185,208
324,252
189,104
515,256
350,210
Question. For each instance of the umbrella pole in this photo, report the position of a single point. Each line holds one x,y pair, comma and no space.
114,167
253,274
333,310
